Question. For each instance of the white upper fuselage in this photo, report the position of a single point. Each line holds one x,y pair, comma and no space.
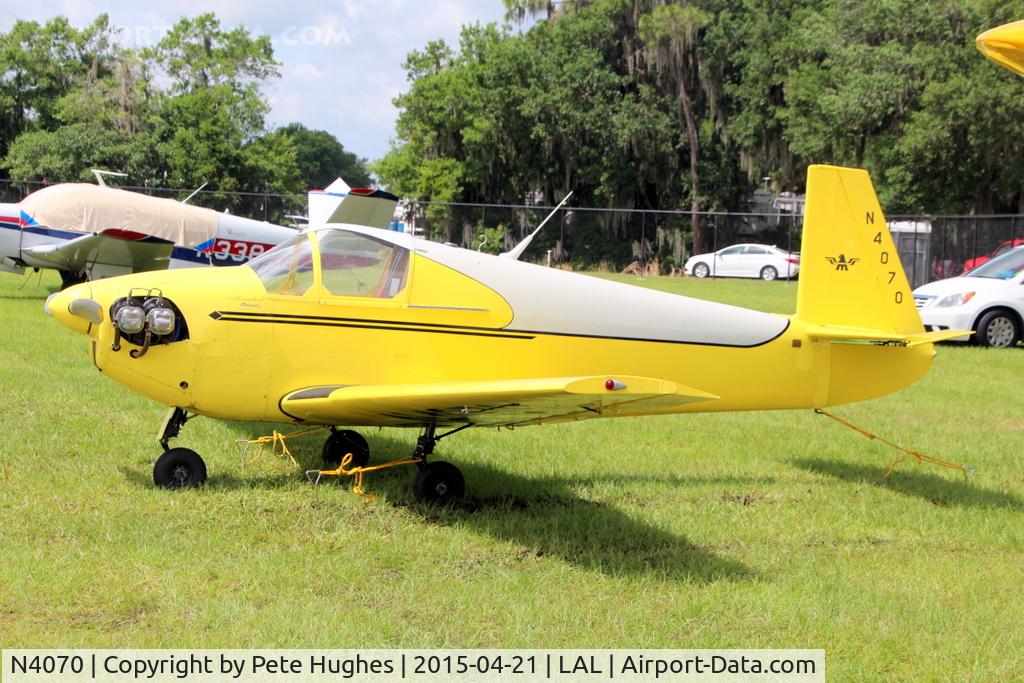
562,302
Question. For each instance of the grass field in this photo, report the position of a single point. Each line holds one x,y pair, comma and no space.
725,530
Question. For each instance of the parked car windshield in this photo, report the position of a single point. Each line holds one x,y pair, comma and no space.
1001,267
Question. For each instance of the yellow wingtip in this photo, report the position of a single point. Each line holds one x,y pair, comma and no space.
1004,45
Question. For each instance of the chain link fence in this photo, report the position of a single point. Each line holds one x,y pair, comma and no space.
650,242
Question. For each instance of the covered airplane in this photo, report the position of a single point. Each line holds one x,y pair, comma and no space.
89,232
348,325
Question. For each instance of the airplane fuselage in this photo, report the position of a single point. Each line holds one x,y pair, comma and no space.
467,316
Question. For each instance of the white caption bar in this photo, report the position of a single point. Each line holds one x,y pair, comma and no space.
421,666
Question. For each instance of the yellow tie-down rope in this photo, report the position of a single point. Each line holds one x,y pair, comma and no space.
968,470
358,472
277,444
280,449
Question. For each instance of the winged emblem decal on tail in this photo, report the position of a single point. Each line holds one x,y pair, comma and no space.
841,262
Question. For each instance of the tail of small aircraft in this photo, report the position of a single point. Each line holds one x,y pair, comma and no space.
853,293
851,281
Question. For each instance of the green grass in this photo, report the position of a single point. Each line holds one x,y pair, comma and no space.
733,530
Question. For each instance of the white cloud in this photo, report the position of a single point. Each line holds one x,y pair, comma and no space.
305,71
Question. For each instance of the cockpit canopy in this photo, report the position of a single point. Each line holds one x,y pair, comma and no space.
342,262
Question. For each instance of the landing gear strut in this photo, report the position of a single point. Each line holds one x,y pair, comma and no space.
177,467
436,482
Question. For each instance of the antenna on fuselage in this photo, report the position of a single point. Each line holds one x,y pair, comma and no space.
195,192
99,173
518,250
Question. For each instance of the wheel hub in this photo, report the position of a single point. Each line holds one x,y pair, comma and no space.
1000,332
181,474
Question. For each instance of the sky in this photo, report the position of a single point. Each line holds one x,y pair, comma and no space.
341,60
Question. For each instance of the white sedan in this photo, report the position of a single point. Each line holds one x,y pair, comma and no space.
745,260
988,300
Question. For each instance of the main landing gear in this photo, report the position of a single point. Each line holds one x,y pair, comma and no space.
436,482
341,443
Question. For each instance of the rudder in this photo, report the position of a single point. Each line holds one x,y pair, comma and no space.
850,271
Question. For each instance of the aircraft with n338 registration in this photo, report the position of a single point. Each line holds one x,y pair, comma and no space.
89,232
352,326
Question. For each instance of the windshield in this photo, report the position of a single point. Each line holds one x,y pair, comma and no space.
287,268
1001,267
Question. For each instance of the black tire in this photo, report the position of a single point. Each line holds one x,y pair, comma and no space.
179,468
438,483
768,273
701,270
340,443
998,328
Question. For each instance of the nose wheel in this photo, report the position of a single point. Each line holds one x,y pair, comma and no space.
179,468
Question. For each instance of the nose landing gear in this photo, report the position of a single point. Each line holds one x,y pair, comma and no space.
177,468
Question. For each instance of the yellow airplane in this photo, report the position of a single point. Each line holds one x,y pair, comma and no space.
349,325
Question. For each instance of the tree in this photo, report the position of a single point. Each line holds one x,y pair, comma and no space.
321,158
197,53
519,10
670,33
39,64
207,125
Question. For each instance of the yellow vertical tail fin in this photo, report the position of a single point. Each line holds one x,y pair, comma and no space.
850,272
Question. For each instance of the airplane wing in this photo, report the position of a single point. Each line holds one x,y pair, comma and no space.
497,403
114,249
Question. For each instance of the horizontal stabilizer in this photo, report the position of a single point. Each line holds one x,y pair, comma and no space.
357,206
854,335
497,403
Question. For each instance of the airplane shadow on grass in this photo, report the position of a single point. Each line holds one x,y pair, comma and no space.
544,515
937,490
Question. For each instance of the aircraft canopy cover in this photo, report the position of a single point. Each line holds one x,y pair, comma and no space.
91,208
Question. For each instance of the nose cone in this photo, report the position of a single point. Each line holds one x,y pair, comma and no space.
1004,45
74,308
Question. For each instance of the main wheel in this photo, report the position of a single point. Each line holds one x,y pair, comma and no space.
438,482
701,270
768,273
346,441
179,468
998,328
